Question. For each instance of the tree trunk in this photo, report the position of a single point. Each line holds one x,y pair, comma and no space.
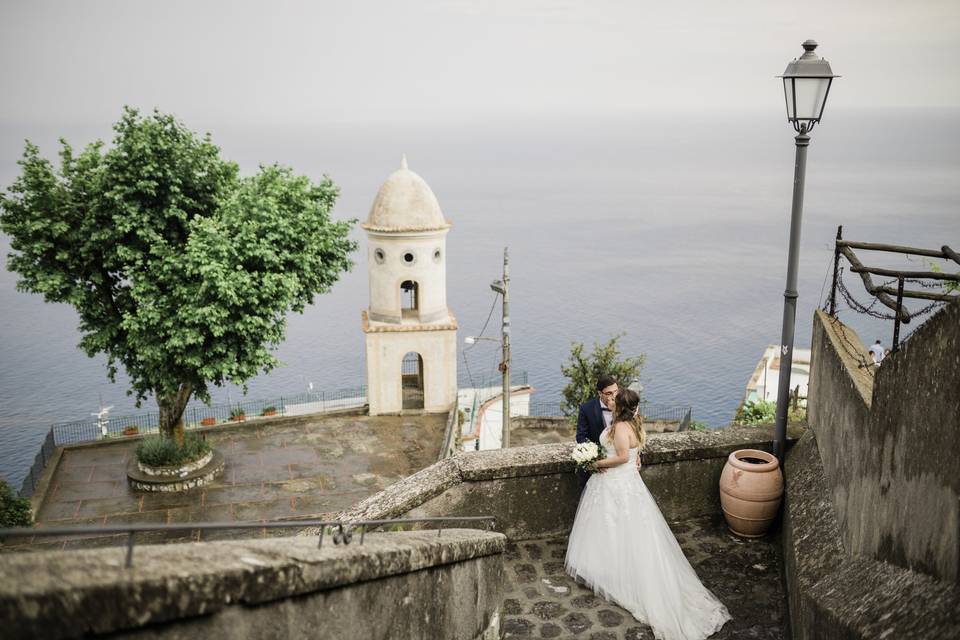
171,413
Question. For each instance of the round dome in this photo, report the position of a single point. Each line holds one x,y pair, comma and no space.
405,203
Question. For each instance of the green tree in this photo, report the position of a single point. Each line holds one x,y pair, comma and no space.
14,511
181,270
582,371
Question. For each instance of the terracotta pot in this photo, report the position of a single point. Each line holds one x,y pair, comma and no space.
751,487
208,422
130,431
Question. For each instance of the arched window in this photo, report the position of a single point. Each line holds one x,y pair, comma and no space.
409,296
412,380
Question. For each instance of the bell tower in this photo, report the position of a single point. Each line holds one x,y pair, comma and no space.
411,335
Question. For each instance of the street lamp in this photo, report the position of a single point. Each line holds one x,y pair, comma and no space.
806,84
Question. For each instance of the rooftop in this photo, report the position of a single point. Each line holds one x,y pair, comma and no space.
279,469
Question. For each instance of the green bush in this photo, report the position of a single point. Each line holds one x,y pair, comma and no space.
14,511
158,451
697,426
756,412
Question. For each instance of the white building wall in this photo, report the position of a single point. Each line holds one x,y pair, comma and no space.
385,352
429,273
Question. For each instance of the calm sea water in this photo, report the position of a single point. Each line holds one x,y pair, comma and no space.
671,229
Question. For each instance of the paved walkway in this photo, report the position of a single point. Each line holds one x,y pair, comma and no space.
284,470
543,602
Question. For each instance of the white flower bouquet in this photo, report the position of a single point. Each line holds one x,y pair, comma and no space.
585,454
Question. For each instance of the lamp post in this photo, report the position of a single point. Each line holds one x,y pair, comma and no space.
806,85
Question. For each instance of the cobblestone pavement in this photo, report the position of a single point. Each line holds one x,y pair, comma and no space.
543,602
279,471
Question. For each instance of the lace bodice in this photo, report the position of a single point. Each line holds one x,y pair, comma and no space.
610,450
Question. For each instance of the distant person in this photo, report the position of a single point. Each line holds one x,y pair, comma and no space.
877,352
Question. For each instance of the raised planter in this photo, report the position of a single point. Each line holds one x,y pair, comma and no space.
751,488
194,474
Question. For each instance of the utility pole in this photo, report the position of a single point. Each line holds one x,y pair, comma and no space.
503,288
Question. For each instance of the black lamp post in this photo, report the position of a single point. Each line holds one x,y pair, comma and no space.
806,84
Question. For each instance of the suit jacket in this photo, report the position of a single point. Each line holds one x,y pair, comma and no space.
590,422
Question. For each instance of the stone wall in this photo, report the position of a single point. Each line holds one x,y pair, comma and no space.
889,444
833,594
420,585
533,492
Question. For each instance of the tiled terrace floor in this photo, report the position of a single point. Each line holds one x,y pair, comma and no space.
273,471
543,602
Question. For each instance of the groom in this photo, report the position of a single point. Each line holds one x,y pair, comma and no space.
595,416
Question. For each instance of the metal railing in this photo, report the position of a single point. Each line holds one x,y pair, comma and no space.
342,531
941,287
194,416
651,412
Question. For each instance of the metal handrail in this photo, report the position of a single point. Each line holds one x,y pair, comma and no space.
343,532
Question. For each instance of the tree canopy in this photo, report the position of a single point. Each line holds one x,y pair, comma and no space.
582,371
182,271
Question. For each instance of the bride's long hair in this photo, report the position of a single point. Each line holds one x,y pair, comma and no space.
627,409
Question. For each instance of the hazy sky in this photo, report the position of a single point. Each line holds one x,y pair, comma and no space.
392,60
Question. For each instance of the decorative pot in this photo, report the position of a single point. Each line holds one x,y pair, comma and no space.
751,488
130,430
208,422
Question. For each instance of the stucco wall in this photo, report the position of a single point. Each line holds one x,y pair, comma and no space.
430,275
890,451
420,585
385,352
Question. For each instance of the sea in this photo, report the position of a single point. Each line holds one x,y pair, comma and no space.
671,229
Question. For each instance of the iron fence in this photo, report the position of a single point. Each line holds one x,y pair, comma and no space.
194,417
651,412
342,532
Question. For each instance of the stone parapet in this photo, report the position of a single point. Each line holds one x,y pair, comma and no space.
533,491
424,586
833,595
888,443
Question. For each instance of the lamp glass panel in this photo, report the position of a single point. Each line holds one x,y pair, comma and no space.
811,93
787,83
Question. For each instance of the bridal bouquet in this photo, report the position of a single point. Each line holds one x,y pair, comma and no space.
585,454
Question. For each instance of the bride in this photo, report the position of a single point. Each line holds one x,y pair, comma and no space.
622,548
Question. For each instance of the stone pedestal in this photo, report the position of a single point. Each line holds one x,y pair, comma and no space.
189,476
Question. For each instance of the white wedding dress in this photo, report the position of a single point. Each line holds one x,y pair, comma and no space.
622,548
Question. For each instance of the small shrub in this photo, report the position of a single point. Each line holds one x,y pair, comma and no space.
697,426
158,451
269,411
238,414
756,412
14,511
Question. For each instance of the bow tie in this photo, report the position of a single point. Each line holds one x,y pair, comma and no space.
607,409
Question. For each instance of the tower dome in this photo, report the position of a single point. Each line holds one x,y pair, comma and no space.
405,203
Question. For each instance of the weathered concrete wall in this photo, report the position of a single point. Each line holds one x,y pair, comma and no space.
533,492
832,594
420,585
890,450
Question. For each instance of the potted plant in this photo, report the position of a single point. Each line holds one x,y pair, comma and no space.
208,422
238,415
131,430
269,411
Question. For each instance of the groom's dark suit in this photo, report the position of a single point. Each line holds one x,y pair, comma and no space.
590,422
590,425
